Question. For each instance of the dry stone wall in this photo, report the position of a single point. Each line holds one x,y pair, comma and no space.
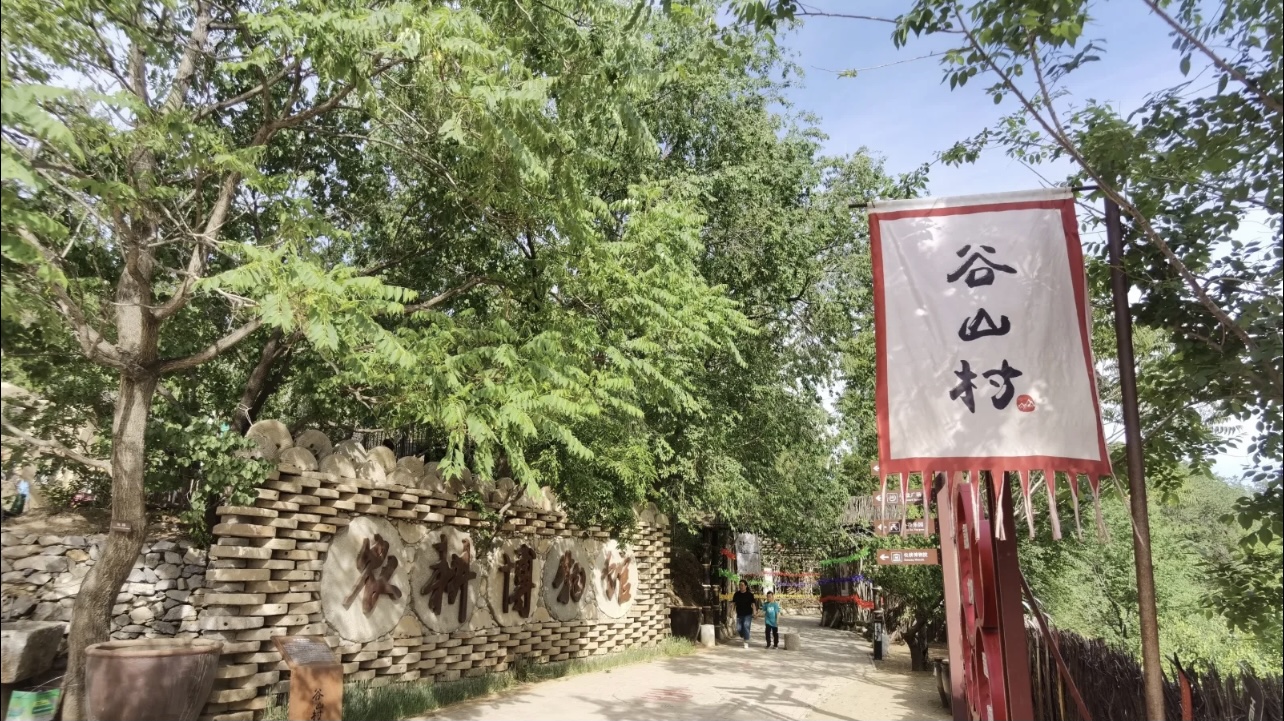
41,574
379,556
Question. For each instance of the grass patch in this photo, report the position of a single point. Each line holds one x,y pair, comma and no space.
363,702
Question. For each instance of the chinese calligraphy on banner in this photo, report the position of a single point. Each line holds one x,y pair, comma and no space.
982,338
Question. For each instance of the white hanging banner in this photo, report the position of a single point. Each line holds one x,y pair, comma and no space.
748,555
981,318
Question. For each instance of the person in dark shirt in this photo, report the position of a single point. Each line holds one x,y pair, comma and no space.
746,606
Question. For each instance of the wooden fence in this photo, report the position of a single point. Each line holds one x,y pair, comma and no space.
1110,682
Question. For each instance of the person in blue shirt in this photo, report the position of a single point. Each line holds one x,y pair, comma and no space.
771,617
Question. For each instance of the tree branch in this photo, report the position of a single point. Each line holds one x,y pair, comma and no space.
94,346
248,94
211,351
444,296
1109,188
1221,64
55,448
187,65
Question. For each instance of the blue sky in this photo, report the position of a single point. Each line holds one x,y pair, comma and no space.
904,113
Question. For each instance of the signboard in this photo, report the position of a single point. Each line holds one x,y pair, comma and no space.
908,557
981,321
914,525
895,499
316,678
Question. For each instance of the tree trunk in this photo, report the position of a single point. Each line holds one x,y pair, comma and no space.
916,638
256,388
137,338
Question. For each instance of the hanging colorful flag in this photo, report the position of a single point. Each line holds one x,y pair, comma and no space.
981,317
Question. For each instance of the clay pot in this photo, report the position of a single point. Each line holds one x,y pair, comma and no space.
150,679
684,622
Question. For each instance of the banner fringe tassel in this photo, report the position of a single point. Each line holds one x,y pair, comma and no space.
1050,482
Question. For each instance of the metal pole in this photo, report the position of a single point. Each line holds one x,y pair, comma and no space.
1146,612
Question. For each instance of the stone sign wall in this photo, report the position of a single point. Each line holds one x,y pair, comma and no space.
406,582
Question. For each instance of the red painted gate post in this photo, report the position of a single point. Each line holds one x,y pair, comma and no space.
1007,577
953,606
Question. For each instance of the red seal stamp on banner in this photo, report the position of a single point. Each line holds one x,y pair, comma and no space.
1025,404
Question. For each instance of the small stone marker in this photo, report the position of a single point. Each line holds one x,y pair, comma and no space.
792,642
316,678
708,637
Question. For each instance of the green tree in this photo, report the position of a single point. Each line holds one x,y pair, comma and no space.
225,187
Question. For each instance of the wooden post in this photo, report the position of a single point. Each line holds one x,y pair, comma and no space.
316,678
1007,579
953,606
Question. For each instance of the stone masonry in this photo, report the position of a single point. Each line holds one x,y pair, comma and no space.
264,574
42,574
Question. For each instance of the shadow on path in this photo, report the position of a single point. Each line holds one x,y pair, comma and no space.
832,677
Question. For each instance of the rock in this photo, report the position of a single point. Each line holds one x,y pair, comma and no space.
168,572
163,628
13,577
180,613
411,533
408,627
50,540
65,586
27,648
19,551
180,596
5,566
300,458
75,555
93,552
18,606
46,612
174,558
39,578
53,550
134,629
165,585
51,564
150,577
151,559
316,442
164,546
75,541
139,589
135,576
195,557
141,615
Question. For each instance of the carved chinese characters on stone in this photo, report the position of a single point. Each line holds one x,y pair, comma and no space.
569,580
444,580
516,569
518,580
365,561
566,579
614,579
450,578
377,569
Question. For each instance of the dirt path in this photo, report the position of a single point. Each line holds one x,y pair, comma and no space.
831,678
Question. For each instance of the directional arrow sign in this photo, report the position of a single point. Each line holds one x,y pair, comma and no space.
908,557
895,498
914,525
